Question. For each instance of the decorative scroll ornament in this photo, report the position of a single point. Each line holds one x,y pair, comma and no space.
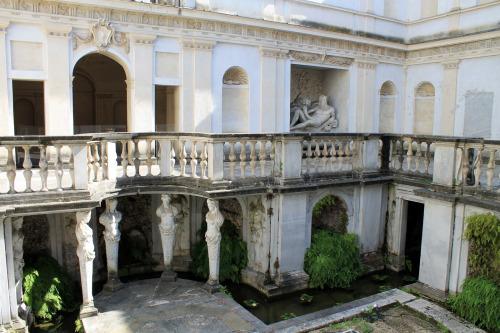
103,34
320,59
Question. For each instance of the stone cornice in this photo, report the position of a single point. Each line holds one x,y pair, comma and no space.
165,21
320,59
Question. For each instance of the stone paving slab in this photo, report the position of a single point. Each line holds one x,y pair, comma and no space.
446,318
182,306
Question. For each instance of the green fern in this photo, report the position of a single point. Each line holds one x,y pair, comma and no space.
48,288
233,254
332,260
478,302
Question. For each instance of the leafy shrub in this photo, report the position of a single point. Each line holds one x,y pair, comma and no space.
479,302
233,254
48,288
332,260
483,233
329,200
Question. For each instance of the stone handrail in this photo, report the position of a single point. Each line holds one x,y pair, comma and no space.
45,163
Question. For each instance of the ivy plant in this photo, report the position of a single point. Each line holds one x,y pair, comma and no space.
233,254
333,259
48,288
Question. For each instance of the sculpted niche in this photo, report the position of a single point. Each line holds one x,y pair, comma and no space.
314,117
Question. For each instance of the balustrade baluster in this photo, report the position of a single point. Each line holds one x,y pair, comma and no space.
333,153
104,159
27,168
325,155
96,160
309,155
11,169
243,162
477,166
341,155
465,166
427,157
172,160
72,169
393,154
194,161
491,168
317,154
418,156
124,157
59,167
348,155
42,164
262,158
204,160
232,159
253,158
409,155
137,158
149,157
183,155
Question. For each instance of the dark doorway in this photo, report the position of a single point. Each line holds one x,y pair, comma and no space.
28,107
99,95
414,225
166,106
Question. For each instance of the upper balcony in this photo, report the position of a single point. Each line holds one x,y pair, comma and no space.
36,169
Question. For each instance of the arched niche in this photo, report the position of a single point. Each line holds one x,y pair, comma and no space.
99,95
235,101
424,108
387,107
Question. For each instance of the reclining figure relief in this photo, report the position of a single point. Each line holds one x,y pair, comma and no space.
316,117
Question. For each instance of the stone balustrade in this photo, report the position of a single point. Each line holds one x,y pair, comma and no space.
40,163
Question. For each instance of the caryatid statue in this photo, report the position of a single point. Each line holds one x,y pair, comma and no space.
110,220
17,242
86,255
167,212
213,237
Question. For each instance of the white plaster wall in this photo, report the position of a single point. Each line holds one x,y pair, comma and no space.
428,27
226,56
437,236
414,9
336,85
476,75
480,18
168,45
432,73
394,73
25,33
370,228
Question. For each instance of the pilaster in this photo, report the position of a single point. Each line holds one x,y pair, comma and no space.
273,90
365,96
141,90
7,125
197,96
57,88
449,97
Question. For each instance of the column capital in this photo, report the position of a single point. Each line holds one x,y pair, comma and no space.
4,25
196,44
142,39
273,52
57,30
453,64
366,64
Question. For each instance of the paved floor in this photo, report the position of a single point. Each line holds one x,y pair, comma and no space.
183,306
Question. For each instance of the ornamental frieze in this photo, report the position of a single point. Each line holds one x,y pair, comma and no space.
322,59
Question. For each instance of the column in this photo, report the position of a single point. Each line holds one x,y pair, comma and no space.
449,98
7,125
86,255
110,220
17,241
57,88
4,278
141,90
365,96
167,227
213,237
